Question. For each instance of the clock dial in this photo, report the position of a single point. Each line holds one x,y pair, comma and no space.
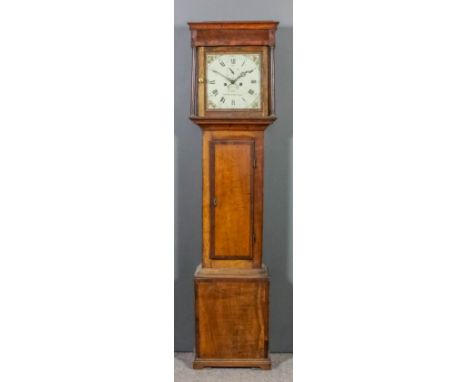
233,81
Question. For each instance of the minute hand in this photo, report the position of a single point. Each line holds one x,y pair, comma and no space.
222,75
242,74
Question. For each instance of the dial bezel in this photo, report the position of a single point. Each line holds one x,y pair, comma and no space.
212,59
227,112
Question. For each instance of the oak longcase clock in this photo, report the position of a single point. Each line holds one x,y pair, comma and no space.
233,102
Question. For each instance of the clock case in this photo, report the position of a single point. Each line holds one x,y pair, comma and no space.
232,283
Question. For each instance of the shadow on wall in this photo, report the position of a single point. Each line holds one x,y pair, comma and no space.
277,246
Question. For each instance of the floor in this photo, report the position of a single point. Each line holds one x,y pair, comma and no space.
281,371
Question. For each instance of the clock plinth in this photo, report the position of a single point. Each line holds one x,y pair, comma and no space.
233,103
231,310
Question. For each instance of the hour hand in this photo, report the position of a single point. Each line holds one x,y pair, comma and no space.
243,74
222,75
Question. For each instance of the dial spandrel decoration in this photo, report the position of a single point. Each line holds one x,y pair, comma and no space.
233,81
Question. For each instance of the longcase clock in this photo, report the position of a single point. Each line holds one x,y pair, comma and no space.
233,103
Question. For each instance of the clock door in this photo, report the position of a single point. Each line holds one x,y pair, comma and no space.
232,162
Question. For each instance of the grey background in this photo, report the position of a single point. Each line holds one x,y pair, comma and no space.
277,247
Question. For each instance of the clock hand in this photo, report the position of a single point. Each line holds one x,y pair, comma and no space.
222,75
243,74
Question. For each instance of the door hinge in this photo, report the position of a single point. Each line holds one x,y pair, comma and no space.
254,237
214,202
254,163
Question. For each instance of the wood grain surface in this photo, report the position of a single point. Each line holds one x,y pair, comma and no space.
231,188
238,33
231,318
236,230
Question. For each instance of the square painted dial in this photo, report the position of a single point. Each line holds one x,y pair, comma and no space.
233,81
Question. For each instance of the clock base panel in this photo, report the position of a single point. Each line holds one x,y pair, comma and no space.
231,319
